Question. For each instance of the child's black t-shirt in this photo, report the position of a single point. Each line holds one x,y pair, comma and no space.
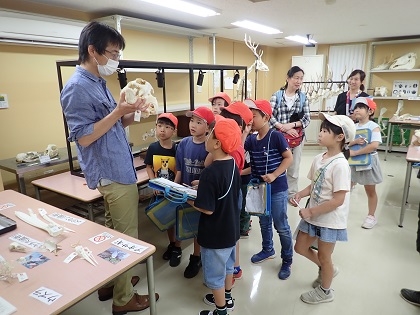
219,193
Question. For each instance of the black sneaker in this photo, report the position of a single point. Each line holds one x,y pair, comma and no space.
209,300
193,267
244,234
175,256
167,255
207,312
411,296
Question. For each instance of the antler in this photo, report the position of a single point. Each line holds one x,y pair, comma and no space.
251,45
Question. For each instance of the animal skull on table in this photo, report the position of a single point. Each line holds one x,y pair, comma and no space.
51,151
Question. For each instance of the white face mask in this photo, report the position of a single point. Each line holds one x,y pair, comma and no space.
109,68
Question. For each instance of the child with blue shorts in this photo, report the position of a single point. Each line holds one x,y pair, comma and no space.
325,218
218,229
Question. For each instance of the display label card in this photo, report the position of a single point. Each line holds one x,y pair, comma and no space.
124,244
66,218
45,295
70,257
97,239
6,308
33,260
22,276
6,206
26,241
44,159
114,255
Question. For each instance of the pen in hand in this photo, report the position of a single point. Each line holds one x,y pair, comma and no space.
294,200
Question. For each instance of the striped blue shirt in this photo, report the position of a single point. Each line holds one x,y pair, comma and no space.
266,158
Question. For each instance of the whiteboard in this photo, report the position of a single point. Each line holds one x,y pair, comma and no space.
313,66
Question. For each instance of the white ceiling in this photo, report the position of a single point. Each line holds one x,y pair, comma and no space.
328,21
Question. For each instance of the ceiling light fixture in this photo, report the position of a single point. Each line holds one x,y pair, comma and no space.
184,6
303,40
256,27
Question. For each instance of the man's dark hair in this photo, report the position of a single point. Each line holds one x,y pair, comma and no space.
100,36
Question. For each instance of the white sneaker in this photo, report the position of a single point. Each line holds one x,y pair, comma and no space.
318,281
369,222
317,296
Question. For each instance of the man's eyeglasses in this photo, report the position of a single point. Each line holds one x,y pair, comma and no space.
115,56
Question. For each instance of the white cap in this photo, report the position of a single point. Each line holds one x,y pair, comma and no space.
344,122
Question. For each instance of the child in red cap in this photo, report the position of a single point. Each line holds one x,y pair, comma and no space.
218,101
241,113
218,229
190,156
160,162
270,157
371,174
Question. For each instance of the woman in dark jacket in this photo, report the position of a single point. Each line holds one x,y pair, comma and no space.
356,88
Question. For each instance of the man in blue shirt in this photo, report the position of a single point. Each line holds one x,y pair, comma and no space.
96,124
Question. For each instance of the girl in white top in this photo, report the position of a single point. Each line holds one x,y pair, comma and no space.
369,175
325,218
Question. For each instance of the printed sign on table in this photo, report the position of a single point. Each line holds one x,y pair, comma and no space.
45,295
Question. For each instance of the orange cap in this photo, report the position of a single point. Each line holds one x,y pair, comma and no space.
262,105
367,101
228,133
171,117
204,113
222,95
240,109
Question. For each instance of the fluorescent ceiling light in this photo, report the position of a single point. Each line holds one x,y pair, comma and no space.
184,6
301,39
256,27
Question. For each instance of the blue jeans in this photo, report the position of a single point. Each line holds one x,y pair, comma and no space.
279,218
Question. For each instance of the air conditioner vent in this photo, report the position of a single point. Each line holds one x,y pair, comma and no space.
30,29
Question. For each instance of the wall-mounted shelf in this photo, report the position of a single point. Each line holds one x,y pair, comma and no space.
417,98
394,71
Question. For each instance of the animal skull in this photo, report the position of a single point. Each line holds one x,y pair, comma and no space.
405,62
141,88
380,91
27,157
51,151
416,138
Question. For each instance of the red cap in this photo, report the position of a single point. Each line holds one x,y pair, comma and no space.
240,109
171,117
367,101
204,113
262,105
228,133
222,95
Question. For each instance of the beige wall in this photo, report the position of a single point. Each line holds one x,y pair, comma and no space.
34,118
29,78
